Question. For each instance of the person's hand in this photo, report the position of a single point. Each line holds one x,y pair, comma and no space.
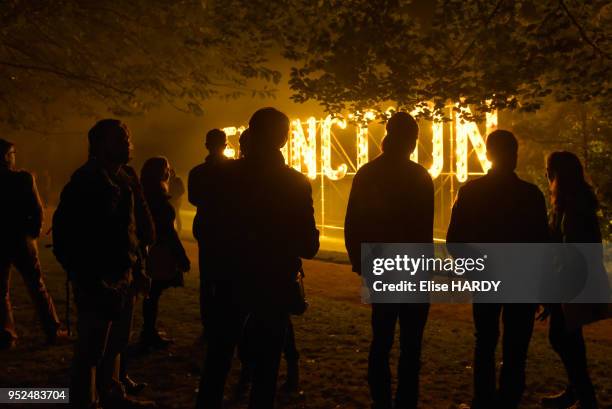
543,313
113,302
142,284
184,265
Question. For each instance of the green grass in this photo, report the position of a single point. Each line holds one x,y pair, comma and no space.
333,339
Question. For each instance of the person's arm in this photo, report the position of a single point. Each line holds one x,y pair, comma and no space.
429,208
541,222
193,189
306,233
352,223
578,226
457,225
33,207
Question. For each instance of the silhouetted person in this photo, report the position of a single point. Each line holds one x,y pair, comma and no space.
270,226
21,217
573,220
145,232
200,185
94,236
176,190
392,201
500,208
167,260
245,353
244,141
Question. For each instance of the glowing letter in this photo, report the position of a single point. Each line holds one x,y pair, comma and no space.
469,130
229,151
304,149
340,172
437,151
362,140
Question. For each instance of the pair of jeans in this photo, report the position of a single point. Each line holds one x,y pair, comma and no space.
517,320
569,345
96,362
412,319
225,326
23,254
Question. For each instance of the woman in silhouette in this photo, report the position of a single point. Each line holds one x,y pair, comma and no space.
167,260
573,220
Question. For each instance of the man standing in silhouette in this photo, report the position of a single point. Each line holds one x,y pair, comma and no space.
201,186
145,233
392,201
95,240
21,216
500,208
270,227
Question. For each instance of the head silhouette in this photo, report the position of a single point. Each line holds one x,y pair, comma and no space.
567,182
154,175
245,140
109,141
216,141
402,134
269,130
7,154
502,150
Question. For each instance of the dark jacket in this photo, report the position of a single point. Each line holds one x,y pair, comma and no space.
391,201
21,211
498,208
271,226
94,230
204,180
145,228
164,215
578,223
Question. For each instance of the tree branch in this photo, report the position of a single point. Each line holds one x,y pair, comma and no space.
469,47
69,75
583,34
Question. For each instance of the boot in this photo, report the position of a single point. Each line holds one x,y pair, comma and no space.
59,337
132,387
561,400
292,384
154,339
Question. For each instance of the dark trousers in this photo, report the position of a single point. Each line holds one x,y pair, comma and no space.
517,320
150,308
206,283
245,346
412,319
23,254
96,363
569,345
225,323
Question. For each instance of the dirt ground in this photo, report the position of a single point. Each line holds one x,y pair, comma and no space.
333,339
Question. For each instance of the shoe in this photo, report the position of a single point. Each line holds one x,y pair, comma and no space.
561,400
59,337
154,340
10,343
292,384
132,387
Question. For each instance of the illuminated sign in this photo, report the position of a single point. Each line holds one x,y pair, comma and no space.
300,152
